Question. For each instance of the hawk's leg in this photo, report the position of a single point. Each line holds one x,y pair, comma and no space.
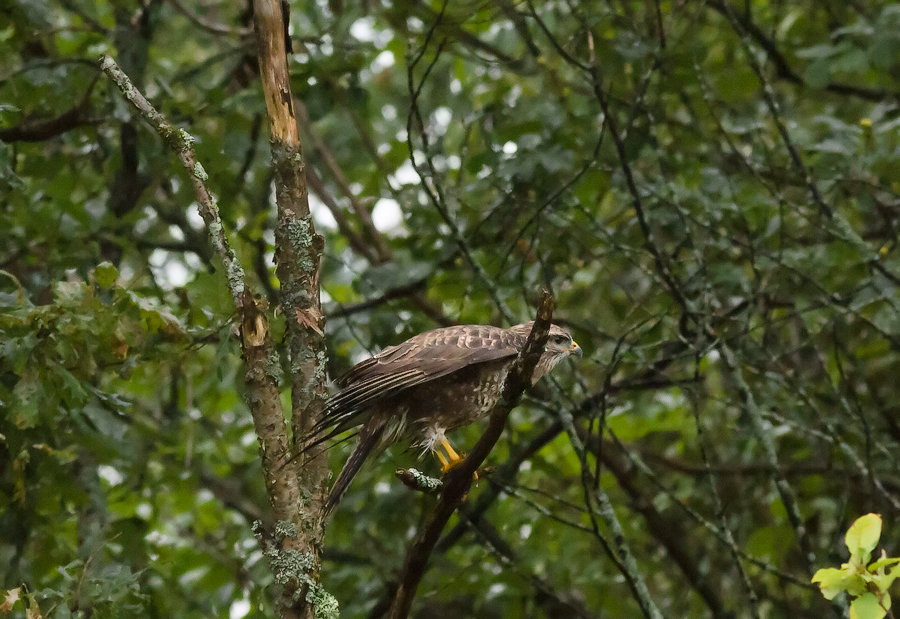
451,460
434,441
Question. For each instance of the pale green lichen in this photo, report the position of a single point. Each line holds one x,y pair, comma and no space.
300,235
235,276
233,271
285,528
288,565
321,373
186,137
424,481
292,566
199,172
272,367
325,605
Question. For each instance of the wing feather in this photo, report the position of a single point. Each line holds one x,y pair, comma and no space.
420,359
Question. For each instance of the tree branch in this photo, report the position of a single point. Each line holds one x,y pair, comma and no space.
298,252
262,396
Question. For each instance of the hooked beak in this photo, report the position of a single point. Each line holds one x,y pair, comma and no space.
576,349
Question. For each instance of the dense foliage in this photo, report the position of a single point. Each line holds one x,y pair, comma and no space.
710,189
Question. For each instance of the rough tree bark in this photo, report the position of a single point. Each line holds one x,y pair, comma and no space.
296,551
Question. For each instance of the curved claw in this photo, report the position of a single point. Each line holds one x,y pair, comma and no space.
452,459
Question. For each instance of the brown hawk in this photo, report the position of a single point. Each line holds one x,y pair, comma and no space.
430,384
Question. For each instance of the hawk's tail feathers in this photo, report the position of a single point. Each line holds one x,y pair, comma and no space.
368,439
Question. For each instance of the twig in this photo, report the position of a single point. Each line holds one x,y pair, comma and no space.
182,143
418,481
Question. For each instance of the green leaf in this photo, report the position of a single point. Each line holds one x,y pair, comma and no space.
883,563
831,581
863,535
884,581
866,606
106,274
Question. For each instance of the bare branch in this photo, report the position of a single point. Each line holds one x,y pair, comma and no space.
262,386
298,252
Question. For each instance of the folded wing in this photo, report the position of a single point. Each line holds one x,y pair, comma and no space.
419,360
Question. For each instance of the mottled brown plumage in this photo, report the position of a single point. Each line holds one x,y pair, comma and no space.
430,384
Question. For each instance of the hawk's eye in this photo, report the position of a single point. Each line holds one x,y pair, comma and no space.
560,339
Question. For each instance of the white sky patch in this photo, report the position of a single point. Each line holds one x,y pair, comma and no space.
169,272
362,29
389,112
193,217
248,438
192,576
512,97
143,510
109,474
666,399
321,215
239,608
326,46
525,531
125,272
406,174
382,61
147,220
443,116
193,261
453,162
382,487
455,86
176,233
510,148
387,214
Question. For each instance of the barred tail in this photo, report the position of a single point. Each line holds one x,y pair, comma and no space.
368,439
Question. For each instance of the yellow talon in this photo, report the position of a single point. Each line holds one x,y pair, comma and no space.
443,460
449,461
450,451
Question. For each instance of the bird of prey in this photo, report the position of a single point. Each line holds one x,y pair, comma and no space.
432,383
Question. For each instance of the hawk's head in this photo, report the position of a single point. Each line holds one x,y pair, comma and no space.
559,346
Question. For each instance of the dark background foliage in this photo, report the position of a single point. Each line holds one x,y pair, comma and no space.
709,188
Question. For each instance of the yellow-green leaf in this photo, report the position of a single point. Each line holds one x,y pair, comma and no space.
831,581
106,274
866,606
863,535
